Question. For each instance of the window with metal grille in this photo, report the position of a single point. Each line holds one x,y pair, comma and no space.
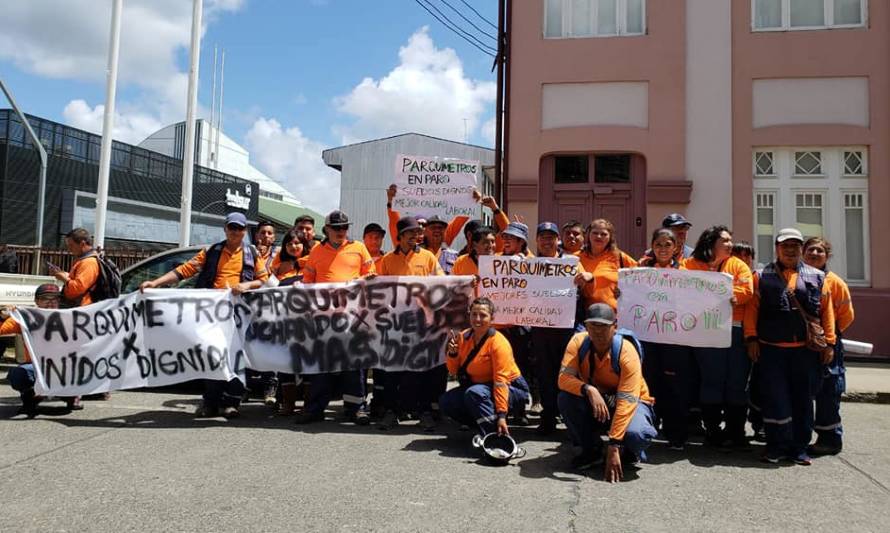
808,163
854,164
763,164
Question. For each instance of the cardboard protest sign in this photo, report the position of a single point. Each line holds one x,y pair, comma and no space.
537,292
158,338
430,186
390,322
685,307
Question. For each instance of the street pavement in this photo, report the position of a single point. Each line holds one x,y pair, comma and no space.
140,462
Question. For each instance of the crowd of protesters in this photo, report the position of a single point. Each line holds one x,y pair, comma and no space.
614,394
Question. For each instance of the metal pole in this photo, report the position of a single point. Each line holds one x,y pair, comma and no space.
210,155
41,194
188,160
108,124
499,107
222,87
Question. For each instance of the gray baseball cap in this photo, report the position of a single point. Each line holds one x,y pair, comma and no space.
600,314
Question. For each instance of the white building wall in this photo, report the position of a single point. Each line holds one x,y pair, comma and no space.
368,170
709,112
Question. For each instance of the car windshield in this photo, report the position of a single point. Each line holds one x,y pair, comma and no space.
156,267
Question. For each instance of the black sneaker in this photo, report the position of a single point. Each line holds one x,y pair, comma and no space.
587,459
773,458
231,412
427,422
759,435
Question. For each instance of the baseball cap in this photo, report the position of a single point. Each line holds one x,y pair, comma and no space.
548,226
518,230
600,314
236,219
372,228
336,218
673,220
435,220
787,234
47,289
406,224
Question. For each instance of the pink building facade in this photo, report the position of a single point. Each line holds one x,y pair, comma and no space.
757,114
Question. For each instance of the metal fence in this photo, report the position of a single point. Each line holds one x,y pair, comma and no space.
63,259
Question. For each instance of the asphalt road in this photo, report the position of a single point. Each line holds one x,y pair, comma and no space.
140,462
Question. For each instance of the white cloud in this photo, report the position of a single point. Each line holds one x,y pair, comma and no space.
427,92
130,127
488,130
68,39
295,162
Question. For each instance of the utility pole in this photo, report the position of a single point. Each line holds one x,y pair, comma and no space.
108,124
188,159
41,194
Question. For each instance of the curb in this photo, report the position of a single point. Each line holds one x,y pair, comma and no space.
866,397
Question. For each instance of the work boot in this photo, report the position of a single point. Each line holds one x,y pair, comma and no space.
388,421
231,412
822,447
547,426
361,417
519,417
736,417
427,422
29,404
206,411
306,417
288,399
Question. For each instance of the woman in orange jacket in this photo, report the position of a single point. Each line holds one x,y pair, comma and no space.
724,371
490,382
829,431
601,260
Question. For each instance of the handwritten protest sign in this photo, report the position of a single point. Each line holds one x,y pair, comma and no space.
139,340
430,186
165,336
537,292
686,307
392,323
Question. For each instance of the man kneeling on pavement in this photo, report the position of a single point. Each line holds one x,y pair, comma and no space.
599,397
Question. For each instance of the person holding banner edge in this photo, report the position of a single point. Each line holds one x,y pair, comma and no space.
790,300
724,371
409,390
490,384
230,264
337,259
21,378
549,344
668,368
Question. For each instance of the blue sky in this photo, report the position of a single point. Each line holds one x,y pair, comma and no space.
301,75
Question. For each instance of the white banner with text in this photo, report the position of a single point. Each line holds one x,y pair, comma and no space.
670,306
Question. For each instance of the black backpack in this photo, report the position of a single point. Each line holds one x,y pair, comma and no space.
108,284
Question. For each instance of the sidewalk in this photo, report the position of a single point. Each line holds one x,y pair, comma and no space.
868,382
